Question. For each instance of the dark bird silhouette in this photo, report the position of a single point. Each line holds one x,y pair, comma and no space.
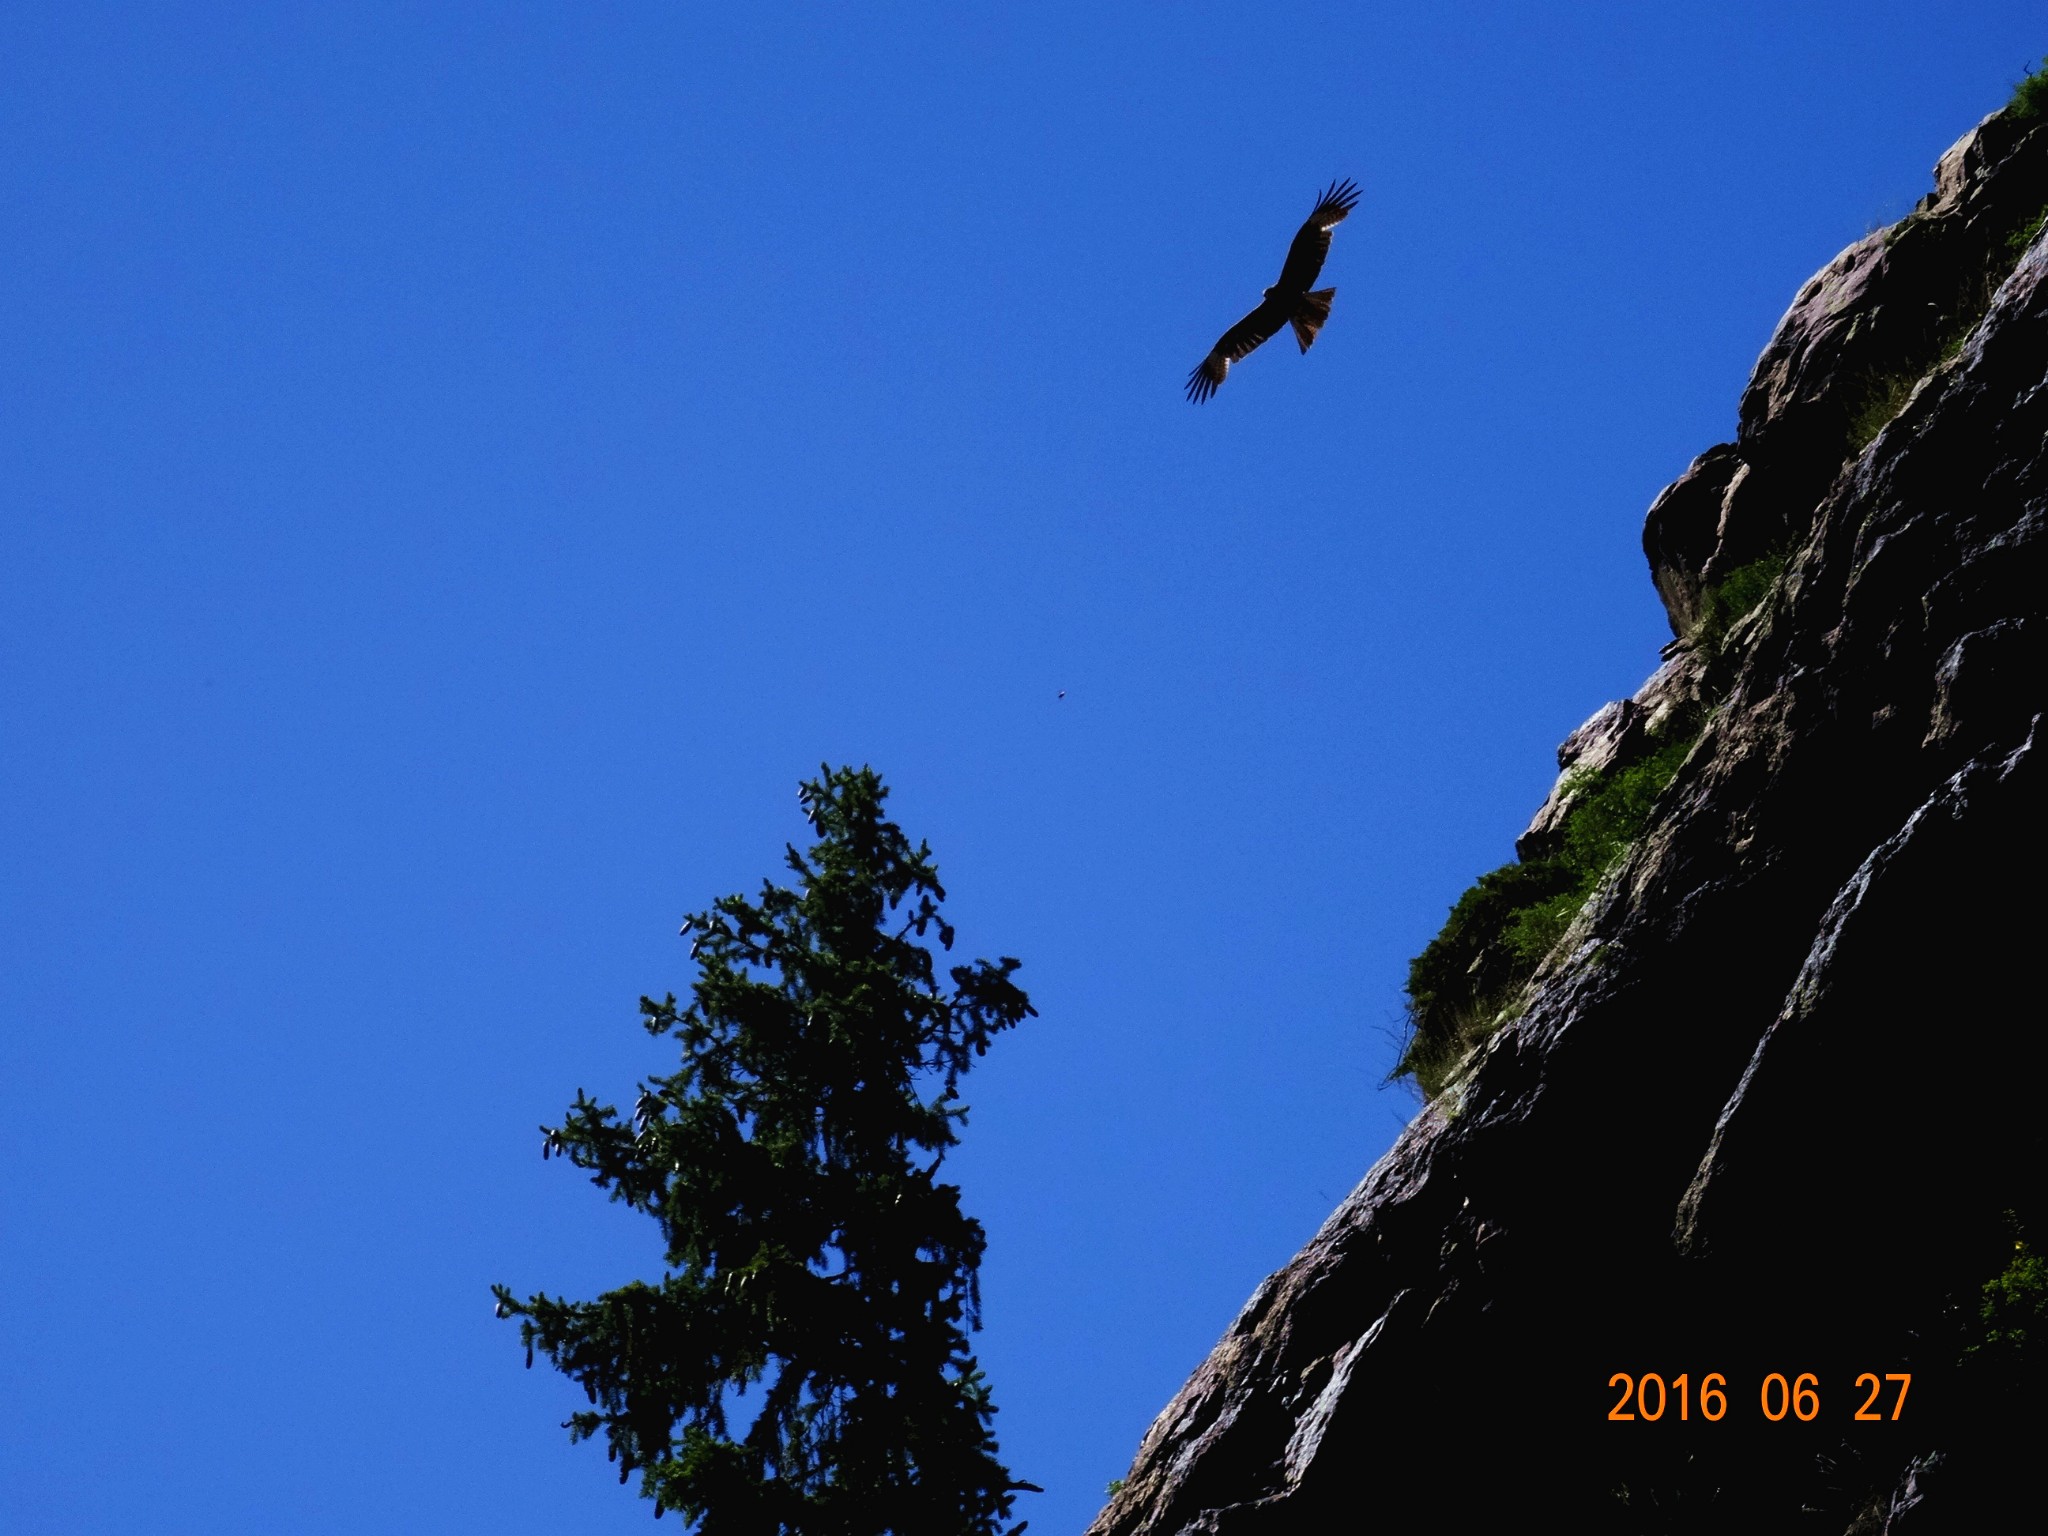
1287,302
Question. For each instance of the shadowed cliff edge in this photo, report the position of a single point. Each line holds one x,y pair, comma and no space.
1765,1098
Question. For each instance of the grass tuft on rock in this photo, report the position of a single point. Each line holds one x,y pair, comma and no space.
1887,396
1731,598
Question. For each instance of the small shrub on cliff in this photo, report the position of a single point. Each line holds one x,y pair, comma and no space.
1463,977
1501,929
2012,1317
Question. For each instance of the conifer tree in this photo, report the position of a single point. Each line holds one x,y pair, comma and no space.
801,1365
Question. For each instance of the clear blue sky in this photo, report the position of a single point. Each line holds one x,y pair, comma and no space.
462,465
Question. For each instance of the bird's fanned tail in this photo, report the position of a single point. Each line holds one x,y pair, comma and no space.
1309,315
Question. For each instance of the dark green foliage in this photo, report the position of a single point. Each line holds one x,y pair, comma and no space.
1463,977
1502,928
1734,595
801,1366
2030,96
2011,1335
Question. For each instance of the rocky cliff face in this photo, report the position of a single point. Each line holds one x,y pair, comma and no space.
1772,1104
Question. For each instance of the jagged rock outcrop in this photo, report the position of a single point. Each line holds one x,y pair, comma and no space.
1769,1104
1861,333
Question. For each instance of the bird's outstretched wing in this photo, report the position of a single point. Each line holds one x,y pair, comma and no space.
1312,240
1250,332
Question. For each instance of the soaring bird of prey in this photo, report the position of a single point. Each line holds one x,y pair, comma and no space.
1287,302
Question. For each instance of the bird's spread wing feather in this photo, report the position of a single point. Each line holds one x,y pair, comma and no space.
1254,329
1312,240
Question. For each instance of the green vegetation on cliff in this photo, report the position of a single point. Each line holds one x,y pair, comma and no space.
1731,598
1466,981
2011,1331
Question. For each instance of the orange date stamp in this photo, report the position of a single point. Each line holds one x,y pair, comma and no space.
1649,1397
